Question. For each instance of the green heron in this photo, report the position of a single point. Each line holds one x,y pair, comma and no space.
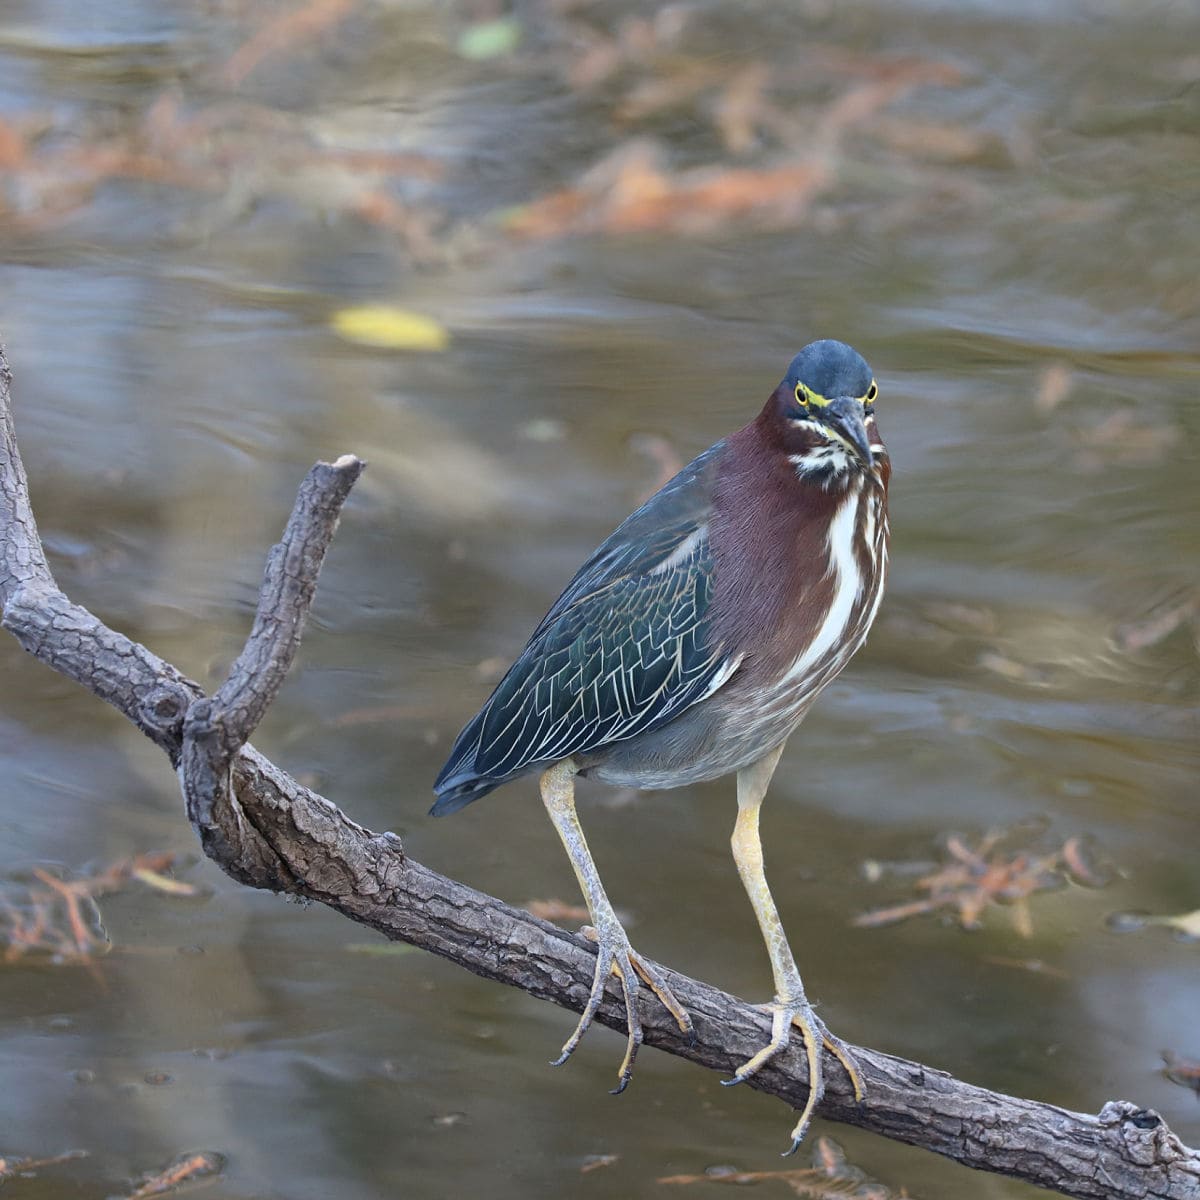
690,645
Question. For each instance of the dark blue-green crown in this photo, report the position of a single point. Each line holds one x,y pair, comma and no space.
829,369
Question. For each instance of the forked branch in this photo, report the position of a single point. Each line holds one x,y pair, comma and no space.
267,831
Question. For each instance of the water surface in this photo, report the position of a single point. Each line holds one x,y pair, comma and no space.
1025,216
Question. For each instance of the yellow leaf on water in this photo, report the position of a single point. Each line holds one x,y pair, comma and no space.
1187,923
490,39
164,883
390,328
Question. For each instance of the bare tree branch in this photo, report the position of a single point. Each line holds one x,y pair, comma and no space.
214,731
266,830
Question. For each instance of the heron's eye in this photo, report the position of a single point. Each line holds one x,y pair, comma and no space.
801,395
872,392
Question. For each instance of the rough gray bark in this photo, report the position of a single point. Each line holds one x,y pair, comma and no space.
267,831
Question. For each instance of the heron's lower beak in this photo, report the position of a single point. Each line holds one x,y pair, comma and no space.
844,416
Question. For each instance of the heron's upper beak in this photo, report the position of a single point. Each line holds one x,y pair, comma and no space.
844,416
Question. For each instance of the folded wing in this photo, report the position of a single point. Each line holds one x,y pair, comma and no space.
625,649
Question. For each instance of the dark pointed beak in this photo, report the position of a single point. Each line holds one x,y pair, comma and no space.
844,415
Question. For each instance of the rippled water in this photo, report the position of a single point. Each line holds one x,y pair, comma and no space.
1015,252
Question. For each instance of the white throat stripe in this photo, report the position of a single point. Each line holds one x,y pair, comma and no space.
847,586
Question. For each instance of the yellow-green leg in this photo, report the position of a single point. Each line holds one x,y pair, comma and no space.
790,1005
614,953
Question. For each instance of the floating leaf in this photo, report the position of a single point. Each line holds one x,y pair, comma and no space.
1186,923
183,1169
1035,966
1054,385
293,27
1159,624
29,1166
830,1176
1180,1070
635,191
597,1162
56,916
490,39
390,328
164,883
1001,868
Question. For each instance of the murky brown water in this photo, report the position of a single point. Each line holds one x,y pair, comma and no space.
176,376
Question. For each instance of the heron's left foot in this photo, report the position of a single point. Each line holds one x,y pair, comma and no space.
785,1014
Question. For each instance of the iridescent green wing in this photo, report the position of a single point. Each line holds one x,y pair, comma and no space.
625,649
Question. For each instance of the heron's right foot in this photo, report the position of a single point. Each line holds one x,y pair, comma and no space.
615,956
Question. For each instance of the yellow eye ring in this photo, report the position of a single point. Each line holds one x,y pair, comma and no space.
872,392
801,394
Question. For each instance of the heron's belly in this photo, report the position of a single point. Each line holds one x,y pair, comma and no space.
711,740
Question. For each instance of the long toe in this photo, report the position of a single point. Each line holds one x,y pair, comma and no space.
654,980
615,956
622,965
817,1036
842,1053
782,1015
606,950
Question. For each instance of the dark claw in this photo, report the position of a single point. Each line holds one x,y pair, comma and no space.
788,1153
620,1086
734,1081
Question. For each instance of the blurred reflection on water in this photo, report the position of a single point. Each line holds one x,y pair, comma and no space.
992,204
